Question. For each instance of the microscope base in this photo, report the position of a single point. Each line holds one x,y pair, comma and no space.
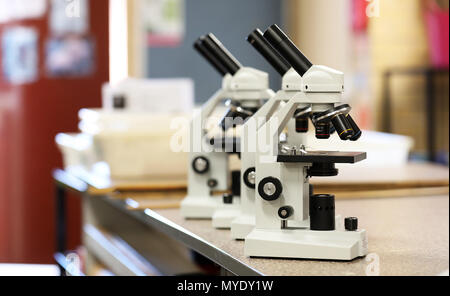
199,207
242,226
306,244
225,214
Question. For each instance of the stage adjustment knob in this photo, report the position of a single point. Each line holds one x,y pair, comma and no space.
227,198
200,165
270,188
250,178
351,223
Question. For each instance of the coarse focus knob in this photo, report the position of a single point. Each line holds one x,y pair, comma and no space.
250,178
351,223
270,188
200,165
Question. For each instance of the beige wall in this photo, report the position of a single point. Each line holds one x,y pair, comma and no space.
398,38
321,28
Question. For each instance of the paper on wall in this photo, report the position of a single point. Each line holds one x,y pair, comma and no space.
69,16
21,9
70,56
20,55
164,21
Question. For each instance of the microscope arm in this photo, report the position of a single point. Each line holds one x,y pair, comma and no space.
275,125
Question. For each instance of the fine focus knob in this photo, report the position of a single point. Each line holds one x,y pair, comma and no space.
270,188
200,165
212,183
351,223
285,212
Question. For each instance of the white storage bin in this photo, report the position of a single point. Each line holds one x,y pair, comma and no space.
77,150
135,145
151,95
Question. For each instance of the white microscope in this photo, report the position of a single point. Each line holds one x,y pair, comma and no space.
245,90
296,131
291,222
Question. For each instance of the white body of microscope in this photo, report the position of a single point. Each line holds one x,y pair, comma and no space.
249,87
272,236
245,221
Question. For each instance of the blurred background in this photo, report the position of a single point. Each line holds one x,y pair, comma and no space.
56,56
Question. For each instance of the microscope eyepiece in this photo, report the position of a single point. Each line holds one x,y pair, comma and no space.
212,59
281,42
217,49
257,40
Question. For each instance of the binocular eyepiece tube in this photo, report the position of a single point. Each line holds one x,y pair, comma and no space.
216,48
219,57
281,42
257,40
204,52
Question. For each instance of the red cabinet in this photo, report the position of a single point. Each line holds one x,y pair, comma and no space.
31,115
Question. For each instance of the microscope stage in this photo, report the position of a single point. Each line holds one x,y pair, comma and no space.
324,157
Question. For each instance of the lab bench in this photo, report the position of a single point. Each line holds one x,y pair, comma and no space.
407,235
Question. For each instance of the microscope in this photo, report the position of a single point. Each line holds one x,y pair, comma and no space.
296,131
292,221
244,89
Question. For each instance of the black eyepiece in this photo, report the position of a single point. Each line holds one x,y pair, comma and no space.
204,52
281,42
221,53
257,40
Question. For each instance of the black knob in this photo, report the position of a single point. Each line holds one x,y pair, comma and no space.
200,165
270,188
285,212
119,102
250,178
212,183
227,198
351,223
